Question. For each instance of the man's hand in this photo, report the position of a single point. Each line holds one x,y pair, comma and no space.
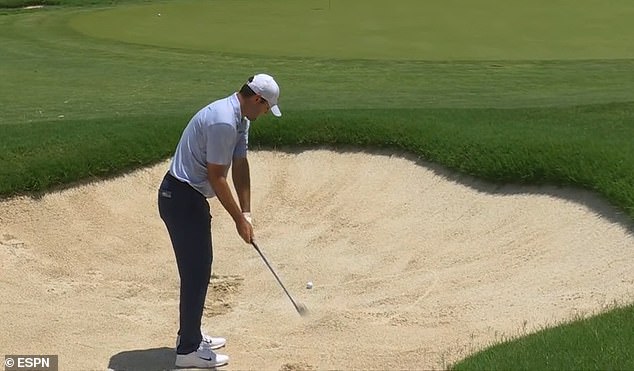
216,175
245,230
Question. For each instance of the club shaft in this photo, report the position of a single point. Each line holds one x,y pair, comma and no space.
275,274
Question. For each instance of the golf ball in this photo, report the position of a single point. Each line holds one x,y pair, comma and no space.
309,285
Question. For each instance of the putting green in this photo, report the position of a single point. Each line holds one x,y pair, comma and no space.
377,29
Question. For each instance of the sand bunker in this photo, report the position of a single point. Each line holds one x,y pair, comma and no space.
413,267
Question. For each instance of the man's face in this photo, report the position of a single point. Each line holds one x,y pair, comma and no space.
256,107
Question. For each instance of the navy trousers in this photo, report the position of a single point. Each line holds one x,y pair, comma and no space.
185,212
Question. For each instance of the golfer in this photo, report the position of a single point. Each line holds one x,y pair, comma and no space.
215,139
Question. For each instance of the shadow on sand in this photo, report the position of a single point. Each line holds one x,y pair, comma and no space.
143,360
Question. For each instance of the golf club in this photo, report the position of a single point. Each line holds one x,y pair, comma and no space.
301,308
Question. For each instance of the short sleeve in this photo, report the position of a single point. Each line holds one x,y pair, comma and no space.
221,140
243,140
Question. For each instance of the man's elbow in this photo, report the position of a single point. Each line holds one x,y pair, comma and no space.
240,162
216,174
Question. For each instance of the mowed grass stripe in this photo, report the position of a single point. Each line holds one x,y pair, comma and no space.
377,29
59,72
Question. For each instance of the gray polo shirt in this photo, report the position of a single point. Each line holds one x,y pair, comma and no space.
216,134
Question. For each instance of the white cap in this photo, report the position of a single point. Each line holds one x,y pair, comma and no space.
267,88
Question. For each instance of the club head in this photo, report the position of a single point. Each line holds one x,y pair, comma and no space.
302,310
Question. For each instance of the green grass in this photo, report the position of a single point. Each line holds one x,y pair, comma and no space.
603,342
97,91
37,157
402,29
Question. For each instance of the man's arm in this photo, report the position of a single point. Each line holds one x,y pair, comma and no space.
242,182
218,181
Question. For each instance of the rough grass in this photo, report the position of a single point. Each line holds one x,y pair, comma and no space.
602,342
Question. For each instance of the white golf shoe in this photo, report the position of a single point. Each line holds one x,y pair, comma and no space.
203,357
213,341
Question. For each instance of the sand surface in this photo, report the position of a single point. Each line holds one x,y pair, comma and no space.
413,267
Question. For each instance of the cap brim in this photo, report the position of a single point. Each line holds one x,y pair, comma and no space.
275,110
